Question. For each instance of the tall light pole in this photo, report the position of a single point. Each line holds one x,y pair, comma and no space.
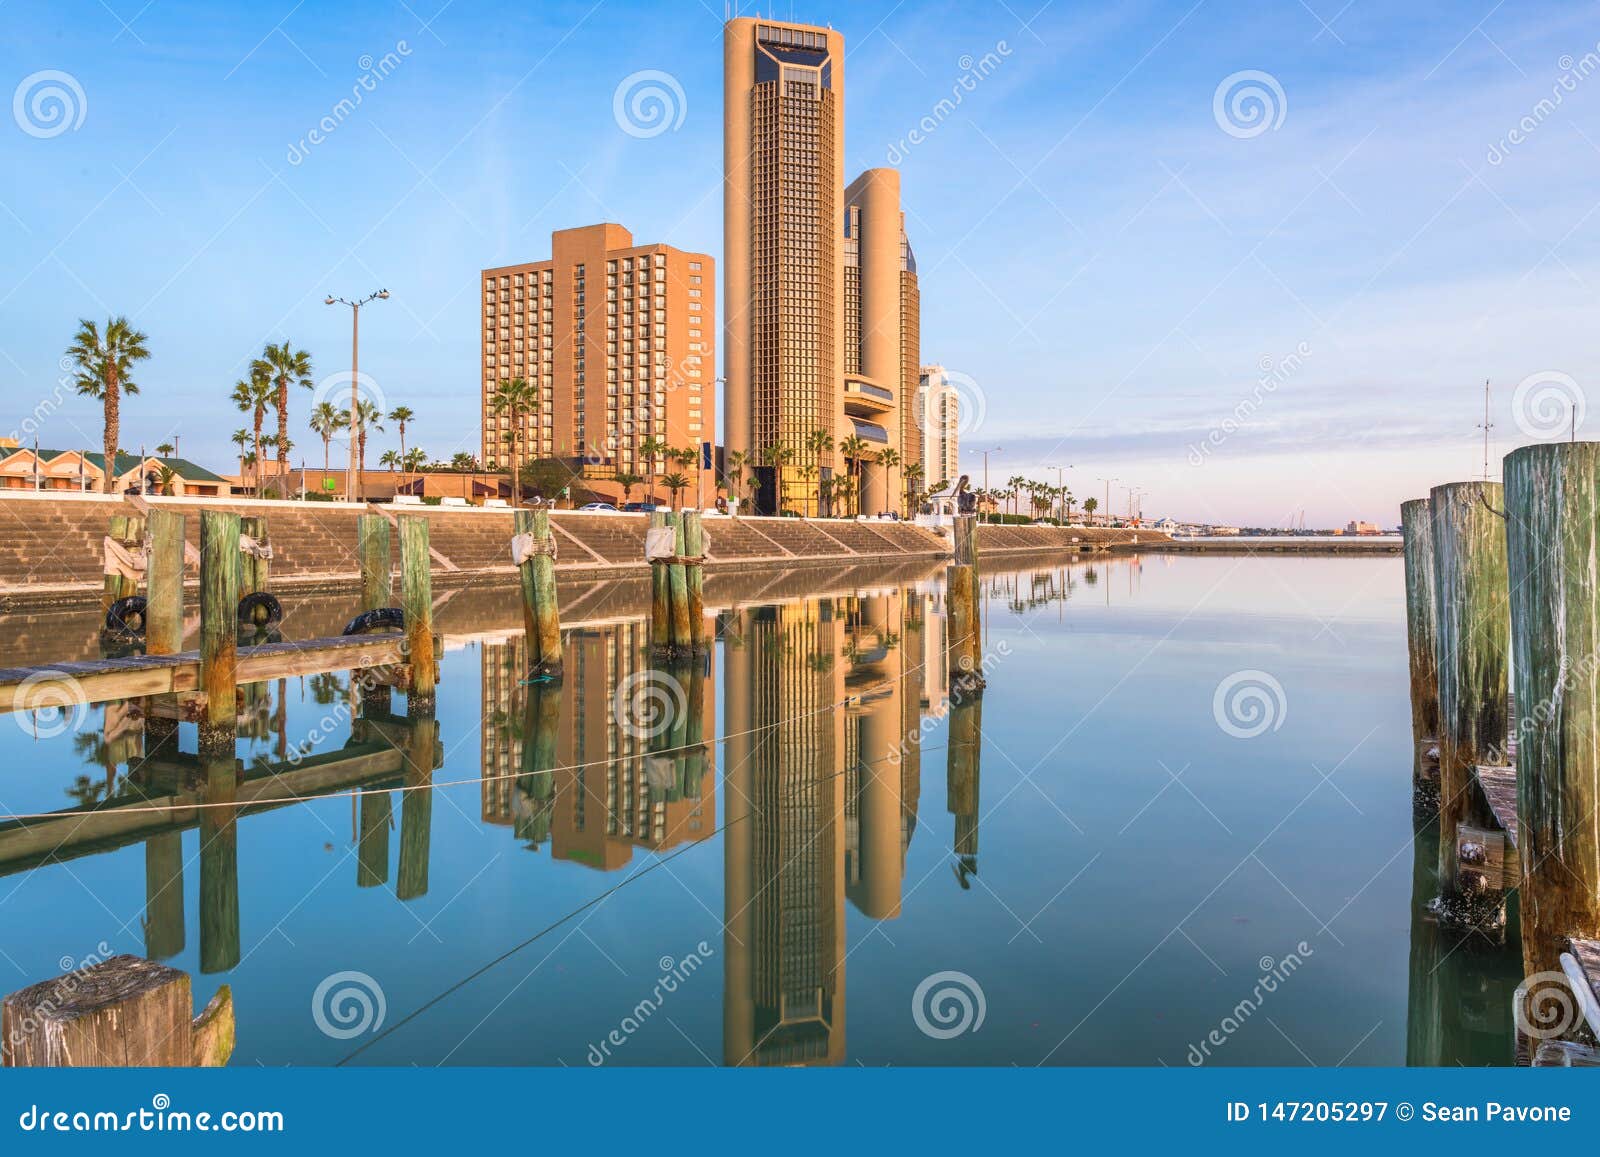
1107,509
986,453
352,480
1061,489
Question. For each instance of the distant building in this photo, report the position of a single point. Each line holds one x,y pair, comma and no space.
1222,531
84,471
617,339
1358,527
939,416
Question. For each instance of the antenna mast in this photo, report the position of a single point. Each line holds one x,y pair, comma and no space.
1486,426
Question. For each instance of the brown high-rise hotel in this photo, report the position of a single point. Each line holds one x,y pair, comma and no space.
617,339
822,312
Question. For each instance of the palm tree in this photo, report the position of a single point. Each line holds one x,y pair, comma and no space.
818,444
414,459
652,448
513,396
283,365
390,459
241,439
911,475
889,459
367,417
675,483
400,415
462,460
164,479
166,449
734,463
854,448
103,365
1090,505
326,421
253,396
627,481
777,456
1014,486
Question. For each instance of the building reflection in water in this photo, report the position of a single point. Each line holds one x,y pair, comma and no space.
820,805
559,768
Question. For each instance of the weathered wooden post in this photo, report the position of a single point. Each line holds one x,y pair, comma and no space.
1553,537
219,864
679,589
961,782
694,554
416,599
377,568
964,644
127,531
416,804
124,1011
1473,622
1416,522
372,845
163,895
534,550
535,797
219,630
163,612
659,546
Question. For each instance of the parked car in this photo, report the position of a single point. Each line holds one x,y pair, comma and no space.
641,507
606,506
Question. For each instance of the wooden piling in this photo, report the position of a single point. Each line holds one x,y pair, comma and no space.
964,534
1473,625
416,804
377,568
219,632
254,572
679,592
660,598
1552,494
372,846
127,530
961,782
964,639
416,599
120,1012
1416,521
694,548
163,612
219,864
541,617
163,895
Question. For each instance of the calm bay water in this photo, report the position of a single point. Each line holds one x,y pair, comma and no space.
1176,829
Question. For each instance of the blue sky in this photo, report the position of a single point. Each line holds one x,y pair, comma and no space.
1241,323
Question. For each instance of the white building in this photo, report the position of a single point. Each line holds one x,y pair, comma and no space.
938,417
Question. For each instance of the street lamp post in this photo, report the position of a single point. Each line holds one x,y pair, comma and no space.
986,453
1106,512
352,480
1061,493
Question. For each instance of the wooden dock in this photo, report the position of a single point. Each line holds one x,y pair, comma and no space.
106,680
134,817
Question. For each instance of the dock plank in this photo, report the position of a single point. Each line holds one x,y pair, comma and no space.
105,680
1500,789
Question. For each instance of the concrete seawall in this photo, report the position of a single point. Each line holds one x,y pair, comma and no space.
52,551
